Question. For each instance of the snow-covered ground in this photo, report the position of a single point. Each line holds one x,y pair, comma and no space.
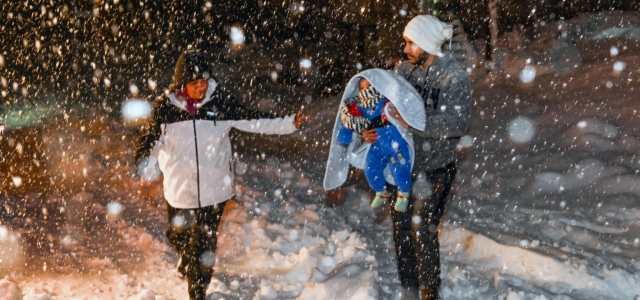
545,206
547,197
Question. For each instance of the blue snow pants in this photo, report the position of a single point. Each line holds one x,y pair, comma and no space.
392,150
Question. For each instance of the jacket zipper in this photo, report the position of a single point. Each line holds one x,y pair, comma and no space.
195,135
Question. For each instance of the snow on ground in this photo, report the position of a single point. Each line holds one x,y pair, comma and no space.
278,241
554,216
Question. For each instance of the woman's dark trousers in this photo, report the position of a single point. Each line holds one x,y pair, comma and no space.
193,234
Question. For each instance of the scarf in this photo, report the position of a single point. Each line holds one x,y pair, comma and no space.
352,117
192,104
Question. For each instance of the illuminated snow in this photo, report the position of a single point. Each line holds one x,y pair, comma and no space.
241,168
178,221
152,84
134,109
17,181
305,63
522,130
474,267
133,89
619,66
4,233
614,51
465,142
236,34
528,74
115,208
208,259
297,7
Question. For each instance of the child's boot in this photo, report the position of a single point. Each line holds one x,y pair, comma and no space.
402,202
380,198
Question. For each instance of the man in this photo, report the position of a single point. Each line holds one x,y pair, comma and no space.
446,90
188,140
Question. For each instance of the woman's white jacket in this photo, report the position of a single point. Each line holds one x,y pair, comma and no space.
194,152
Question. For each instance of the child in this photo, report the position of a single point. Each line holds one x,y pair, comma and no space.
392,153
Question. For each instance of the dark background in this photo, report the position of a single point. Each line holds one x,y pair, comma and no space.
70,47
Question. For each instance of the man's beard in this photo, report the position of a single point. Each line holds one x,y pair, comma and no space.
422,58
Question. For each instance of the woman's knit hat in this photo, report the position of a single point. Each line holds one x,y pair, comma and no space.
428,33
191,65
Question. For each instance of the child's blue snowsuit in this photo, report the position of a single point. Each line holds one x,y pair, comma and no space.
390,149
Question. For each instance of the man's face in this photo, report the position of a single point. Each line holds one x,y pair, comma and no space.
197,89
414,53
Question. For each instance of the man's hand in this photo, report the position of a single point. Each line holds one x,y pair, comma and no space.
300,119
370,135
393,112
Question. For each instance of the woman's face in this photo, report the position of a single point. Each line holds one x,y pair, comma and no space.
197,89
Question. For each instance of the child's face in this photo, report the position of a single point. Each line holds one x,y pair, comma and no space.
364,84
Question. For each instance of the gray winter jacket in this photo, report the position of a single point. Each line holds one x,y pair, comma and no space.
445,88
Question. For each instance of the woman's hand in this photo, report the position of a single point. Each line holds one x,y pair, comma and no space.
300,119
370,135
393,112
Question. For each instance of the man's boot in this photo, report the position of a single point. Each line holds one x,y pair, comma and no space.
410,293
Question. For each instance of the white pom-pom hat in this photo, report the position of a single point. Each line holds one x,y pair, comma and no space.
428,33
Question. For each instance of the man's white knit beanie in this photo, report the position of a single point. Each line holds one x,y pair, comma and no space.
428,33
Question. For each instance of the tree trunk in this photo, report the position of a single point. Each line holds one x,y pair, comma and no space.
493,30
425,6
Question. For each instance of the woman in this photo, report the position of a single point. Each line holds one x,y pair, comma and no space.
188,140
